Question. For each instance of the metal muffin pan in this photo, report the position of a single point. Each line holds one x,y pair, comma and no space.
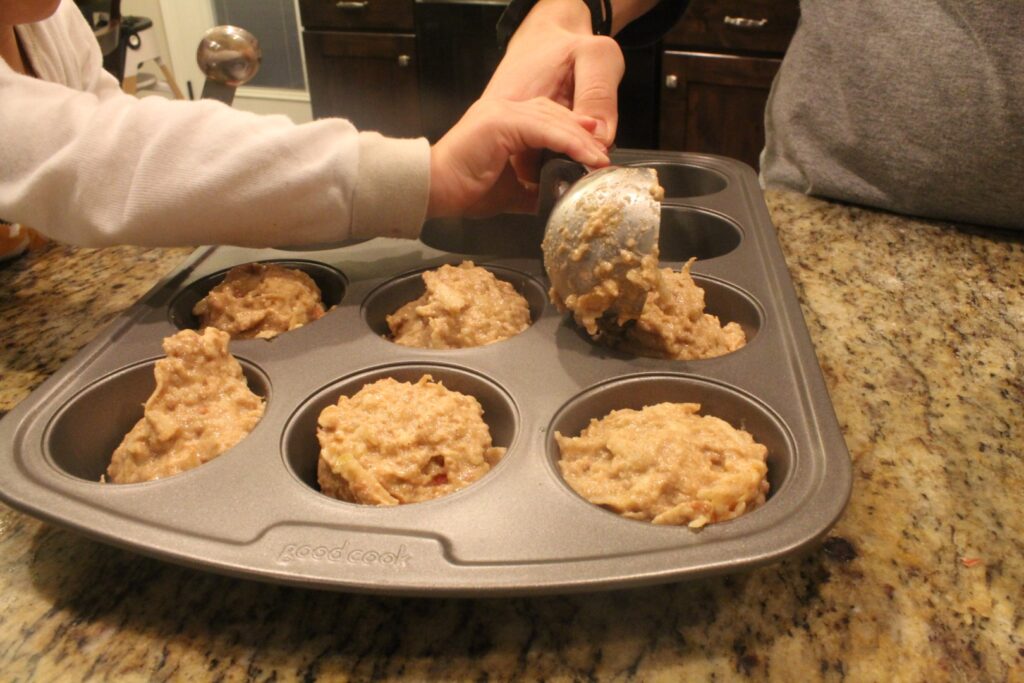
256,512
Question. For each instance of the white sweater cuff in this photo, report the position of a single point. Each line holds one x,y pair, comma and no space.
392,187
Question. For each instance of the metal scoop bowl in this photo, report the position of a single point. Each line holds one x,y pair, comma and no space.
601,245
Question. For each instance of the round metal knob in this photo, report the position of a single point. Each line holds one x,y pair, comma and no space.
229,55
404,60
745,22
671,81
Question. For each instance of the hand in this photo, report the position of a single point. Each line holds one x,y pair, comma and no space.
554,54
469,166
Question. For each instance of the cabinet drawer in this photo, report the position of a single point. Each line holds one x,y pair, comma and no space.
755,25
358,15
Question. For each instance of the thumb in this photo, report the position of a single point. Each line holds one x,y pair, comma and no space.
599,66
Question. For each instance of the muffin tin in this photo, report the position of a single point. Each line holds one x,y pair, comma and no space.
255,511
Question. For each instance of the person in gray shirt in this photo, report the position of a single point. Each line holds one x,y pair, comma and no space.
915,107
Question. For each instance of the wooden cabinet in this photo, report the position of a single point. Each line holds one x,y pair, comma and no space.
716,71
361,62
367,78
715,103
411,67
458,54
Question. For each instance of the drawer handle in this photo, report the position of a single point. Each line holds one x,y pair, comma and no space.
352,4
744,22
404,60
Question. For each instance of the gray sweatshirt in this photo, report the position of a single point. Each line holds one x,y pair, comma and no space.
912,106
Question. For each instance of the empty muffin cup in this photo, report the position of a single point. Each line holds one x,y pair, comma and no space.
687,232
681,181
506,235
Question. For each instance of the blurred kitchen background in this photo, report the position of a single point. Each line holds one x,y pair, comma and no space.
410,67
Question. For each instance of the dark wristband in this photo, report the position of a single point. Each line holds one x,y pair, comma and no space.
600,16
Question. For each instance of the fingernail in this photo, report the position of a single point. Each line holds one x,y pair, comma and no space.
601,130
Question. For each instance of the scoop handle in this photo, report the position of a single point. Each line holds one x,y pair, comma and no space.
557,174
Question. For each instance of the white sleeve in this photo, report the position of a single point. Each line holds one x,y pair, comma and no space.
102,167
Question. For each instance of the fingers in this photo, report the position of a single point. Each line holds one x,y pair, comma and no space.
599,66
542,124
528,162
470,166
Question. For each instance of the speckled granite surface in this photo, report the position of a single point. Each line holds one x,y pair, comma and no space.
919,328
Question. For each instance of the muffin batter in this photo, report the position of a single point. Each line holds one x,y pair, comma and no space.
602,272
463,306
260,300
666,464
673,323
397,442
201,407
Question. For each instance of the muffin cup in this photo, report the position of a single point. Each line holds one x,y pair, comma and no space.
330,281
84,433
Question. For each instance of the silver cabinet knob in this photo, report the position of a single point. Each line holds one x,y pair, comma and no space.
745,22
404,60
229,55
671,81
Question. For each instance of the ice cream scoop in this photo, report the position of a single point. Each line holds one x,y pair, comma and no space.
601,245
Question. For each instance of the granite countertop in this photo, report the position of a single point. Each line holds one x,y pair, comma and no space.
919,328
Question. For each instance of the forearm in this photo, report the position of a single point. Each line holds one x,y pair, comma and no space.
154,172
574,15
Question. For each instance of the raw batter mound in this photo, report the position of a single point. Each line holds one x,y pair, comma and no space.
666,464
396,442
260,301
202,406
673,323
463,306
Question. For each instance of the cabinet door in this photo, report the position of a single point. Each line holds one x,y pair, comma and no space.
458,54
715,103
369,79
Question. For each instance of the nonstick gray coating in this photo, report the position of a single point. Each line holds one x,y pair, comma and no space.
256,512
